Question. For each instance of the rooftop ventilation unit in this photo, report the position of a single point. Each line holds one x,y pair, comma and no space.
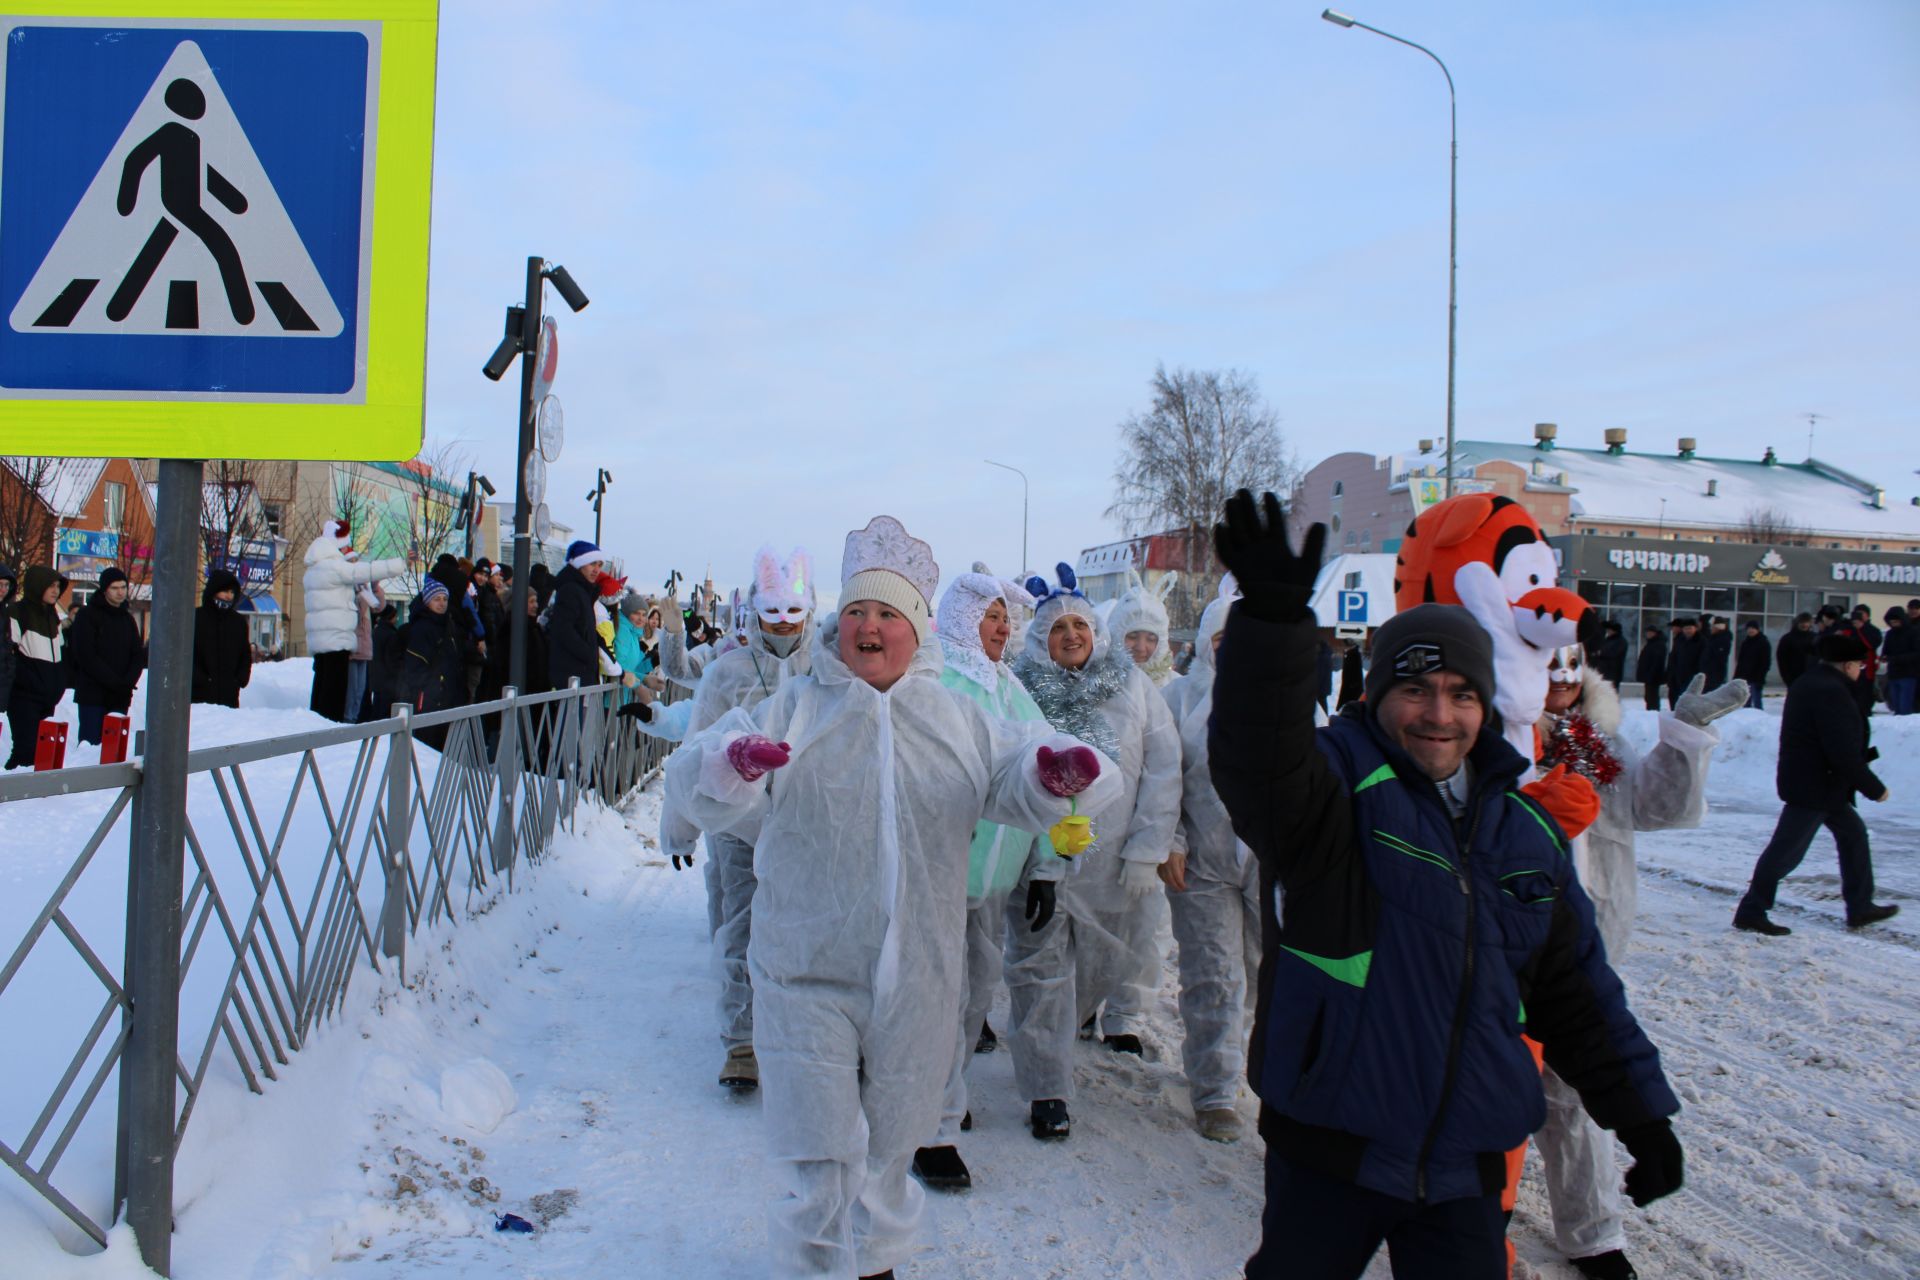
1426,445
1616,440
1770,460
1713,488
1543,434
1687,445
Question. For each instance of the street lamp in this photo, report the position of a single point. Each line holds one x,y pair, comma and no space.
470,509
522,338
597,495
1023,507
1453,207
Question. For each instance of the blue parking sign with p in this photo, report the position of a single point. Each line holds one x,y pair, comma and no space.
1353,606
184,210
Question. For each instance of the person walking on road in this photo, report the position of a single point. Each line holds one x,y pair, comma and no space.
106,653
1430,917
1754,660
1825,760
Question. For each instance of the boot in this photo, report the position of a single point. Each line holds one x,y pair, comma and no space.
1757,922
1086,1029
1125,1044
1611,1265
1049,1119
988,1041
1874,914
966,1123
880,1275
742,1070
941,1169
1219,1124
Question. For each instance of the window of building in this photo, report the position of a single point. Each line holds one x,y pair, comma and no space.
116,505
1352,582
271,514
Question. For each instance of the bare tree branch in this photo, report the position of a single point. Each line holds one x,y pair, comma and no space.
1772,524
1206,434
28,489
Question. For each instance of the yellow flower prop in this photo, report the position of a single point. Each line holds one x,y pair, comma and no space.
1072,834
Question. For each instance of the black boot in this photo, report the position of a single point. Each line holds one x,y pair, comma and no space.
1125,1044
1757,922
1611,1265
966,1123
1049,1119
880,1275
1874,914
988,1041
941,1169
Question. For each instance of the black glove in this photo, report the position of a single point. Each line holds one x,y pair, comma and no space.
1275,583
1657,1161
637,711
1040,903
682,860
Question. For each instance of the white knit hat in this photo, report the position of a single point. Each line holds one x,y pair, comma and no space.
884,562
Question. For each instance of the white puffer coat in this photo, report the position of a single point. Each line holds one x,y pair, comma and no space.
332,616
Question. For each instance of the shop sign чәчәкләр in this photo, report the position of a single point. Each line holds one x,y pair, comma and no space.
1587,556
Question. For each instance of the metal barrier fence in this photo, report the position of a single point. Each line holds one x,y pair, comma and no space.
309,857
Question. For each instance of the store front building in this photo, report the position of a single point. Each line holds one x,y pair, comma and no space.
1640,582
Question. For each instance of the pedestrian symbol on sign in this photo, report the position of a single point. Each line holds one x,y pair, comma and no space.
183,163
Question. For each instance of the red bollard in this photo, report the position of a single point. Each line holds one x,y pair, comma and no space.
51,753
113,739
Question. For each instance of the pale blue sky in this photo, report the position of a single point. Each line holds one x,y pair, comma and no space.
840,253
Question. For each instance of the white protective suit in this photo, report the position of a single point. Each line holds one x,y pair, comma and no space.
332,616
1216,918
741,678
1144,608
1003,860
1112,939
682,665
1663,790
860,847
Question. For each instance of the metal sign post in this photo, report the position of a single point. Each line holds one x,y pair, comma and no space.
159,856
522,507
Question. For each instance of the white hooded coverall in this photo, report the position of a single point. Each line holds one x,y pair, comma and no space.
860,848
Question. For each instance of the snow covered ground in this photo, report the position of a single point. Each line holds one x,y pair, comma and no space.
378,1155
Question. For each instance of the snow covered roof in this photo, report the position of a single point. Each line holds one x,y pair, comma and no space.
1111,557
68,482
1369,573
1630,487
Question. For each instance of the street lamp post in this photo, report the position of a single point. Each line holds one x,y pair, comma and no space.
1023,507
1453,207
522,340
598,496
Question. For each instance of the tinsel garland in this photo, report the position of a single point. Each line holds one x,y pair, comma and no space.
1071,700
1578,744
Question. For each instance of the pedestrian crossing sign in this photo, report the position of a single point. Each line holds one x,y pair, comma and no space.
213,231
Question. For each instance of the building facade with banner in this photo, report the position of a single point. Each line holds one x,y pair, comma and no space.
1638,582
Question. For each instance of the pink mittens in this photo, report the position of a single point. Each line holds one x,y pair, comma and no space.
753,757
1069,772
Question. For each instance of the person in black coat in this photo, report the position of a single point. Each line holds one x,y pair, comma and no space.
1795,650
105,654
1717,655
1900,654
1825,760
1651,669
433,665
1611,660
1756,657
573,646
383,669
222,653
1352,676
1686,647
8,654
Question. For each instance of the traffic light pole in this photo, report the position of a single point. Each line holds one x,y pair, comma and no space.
522,508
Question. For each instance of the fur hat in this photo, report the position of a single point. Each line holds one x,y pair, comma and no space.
886,563
1842,646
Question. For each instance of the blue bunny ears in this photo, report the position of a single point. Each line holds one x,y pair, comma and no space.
1042,591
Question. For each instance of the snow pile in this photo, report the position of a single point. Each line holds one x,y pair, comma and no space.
477,1094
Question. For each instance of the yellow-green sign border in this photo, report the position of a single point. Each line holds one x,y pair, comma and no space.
388,425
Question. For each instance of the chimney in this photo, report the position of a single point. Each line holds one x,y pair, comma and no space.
1713,488
1543,434
1563,481
1879,500
1426,446
1770,460
1616,440
1687,445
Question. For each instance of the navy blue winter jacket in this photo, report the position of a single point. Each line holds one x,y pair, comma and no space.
1414,950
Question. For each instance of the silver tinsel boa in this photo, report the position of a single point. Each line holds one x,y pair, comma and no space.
1071,700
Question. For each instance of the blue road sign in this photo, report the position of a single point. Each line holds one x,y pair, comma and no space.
1353,606
185,211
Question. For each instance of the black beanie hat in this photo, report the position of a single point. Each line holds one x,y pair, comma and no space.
109,576
1842,646
1431,637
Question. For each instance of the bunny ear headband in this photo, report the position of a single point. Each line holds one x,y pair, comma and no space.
1038,588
